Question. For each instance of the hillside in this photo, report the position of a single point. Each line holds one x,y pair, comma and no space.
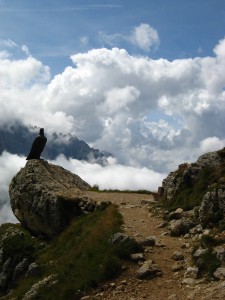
129,246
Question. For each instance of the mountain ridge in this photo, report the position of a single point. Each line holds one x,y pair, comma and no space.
17,139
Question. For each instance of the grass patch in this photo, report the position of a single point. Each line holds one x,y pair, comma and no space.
81,256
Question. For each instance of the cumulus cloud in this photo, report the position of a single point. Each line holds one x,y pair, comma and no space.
150,114
211,144
219,50
147,113
10,164
143,36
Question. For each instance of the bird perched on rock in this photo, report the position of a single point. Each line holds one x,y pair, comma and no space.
37,146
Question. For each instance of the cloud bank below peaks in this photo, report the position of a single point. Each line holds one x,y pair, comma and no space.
147,113
113,176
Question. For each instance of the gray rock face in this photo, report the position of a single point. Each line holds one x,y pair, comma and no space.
198,184
212,206
45,197
188,173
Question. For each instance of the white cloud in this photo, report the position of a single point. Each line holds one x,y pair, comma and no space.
120,98
219,50
211,144
7,43
142,36
6,214
114,175
26,50
10,164
84,40
145,37
148,113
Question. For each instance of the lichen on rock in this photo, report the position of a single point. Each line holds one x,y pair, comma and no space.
45,197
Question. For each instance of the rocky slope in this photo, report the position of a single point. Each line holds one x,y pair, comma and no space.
199,185
64,239
180,249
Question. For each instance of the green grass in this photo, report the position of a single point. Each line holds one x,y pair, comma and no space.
81,256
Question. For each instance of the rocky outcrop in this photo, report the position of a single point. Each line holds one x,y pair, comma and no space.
198,184
212,206
45,197
17,250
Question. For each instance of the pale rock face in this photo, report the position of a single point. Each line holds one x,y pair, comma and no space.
45,197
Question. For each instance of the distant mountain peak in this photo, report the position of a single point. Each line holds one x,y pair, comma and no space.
17,139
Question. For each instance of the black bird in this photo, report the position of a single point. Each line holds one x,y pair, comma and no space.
37,146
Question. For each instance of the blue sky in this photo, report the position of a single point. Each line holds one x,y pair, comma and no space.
54,30
143,80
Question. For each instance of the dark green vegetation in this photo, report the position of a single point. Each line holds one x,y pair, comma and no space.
95,188
81,257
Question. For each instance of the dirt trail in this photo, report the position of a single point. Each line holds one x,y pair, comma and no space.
140,223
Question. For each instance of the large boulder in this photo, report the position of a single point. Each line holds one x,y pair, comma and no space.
45,197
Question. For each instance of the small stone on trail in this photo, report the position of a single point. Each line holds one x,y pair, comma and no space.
148,270
137,257
177,256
